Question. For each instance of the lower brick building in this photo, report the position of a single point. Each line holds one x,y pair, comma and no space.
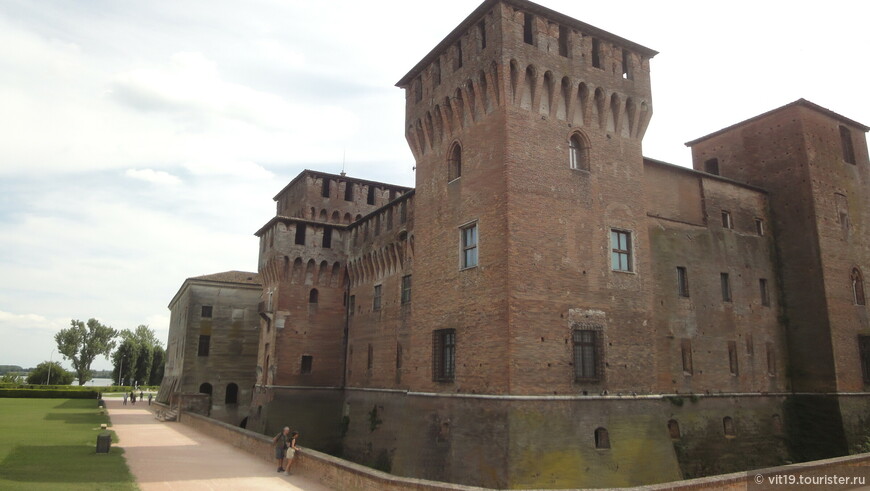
548,308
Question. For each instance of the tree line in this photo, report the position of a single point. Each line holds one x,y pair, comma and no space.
138,358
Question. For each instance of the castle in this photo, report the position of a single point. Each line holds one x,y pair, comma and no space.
548,308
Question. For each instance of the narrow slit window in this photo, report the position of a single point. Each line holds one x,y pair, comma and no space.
726,219
686,354
300,233
406,289
327,237
626,65
325,190
864,350
763,290
846,143
858,287
370,199
725,282
596,53
457,62
682,281
732,358
759,227
771,359
481,30
376,298
348,191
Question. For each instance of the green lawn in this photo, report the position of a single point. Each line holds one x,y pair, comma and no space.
51,444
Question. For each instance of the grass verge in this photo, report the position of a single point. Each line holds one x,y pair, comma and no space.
48,444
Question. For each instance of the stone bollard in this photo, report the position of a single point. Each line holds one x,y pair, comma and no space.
104,441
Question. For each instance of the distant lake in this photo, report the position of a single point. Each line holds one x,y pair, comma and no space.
99,382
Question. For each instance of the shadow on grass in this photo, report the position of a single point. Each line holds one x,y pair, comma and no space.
64,463
77,404
74,418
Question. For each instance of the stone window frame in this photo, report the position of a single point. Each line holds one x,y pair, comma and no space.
577,353
619,251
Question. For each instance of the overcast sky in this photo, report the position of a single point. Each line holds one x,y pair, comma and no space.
143,141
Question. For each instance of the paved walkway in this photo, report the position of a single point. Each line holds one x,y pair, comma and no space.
172,456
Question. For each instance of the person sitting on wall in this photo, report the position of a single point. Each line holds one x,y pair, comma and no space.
281,442
291,450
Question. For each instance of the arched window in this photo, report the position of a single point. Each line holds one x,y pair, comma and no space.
578,152
602,439
858,287
312,296
728,426
232,396
205,388
454,163
674,429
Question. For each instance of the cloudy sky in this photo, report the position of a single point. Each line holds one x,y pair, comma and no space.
143,141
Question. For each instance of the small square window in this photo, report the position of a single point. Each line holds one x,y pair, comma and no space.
206,311
468,236
620,250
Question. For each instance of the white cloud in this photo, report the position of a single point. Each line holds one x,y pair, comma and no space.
153,176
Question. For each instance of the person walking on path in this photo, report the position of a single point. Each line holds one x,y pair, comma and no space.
291,451
149,398
133,397
281,442
125,398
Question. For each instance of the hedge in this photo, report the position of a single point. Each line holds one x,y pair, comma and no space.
48,394
110,388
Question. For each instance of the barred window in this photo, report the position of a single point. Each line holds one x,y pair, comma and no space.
444,355
206,311
586,355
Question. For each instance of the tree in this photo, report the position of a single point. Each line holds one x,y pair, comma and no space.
81,345
135,355
11,378
59,376
157,366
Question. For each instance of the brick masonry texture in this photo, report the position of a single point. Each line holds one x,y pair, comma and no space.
729,342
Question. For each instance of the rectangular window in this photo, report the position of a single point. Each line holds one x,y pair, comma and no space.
457,62
469,246
327,237
403,212
528,28
864,349
376,299
586,348
682,281
759,227
725,281
626,64
325,191
348,191
765,295
732,357
351,305
686,353
564,34
846,143
406,289
436,72
596,53
726,219
771,359
711,166
204,342
300,233
481,29
370,361
307,361
443,355
370,198
620,250
205,311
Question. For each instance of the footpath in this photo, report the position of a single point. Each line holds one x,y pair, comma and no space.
172,456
